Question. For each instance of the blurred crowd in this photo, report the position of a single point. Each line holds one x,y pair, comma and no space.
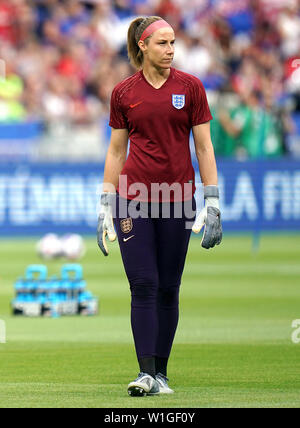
63,58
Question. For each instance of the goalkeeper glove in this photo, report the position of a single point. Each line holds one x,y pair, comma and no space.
210,218
105,222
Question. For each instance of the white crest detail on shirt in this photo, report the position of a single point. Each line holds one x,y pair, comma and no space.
178,101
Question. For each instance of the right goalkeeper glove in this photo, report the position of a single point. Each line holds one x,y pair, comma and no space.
105,222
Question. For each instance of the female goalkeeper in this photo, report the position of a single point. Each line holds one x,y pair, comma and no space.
148,197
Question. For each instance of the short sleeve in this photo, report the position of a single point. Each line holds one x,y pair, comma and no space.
117,118
200,112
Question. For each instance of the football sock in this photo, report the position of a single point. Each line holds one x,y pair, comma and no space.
147,365
161,365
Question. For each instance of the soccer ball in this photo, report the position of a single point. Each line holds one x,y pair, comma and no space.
73,247
49,247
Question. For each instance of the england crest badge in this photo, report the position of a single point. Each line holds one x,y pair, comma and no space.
178,101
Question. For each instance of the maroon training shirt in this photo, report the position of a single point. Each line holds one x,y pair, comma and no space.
159,122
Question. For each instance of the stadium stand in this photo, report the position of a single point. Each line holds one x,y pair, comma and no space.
63,58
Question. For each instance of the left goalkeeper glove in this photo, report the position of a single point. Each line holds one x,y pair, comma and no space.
210,217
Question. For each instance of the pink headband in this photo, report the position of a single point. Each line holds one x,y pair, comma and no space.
154,27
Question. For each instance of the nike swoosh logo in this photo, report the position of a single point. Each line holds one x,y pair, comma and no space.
135,105
127,239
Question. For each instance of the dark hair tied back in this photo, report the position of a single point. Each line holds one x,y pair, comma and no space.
135,31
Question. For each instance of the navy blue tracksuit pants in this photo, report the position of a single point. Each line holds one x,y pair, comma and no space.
154,252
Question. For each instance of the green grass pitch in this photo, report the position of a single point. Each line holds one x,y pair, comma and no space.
233,346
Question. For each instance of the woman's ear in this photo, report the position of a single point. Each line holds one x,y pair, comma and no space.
142,46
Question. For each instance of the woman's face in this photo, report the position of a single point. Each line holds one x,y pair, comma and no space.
159,50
